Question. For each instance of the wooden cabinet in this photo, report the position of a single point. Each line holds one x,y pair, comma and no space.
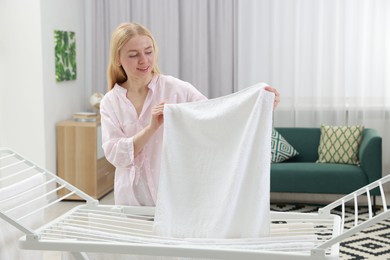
80,159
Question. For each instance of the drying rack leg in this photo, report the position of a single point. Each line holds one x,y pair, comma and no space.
80,256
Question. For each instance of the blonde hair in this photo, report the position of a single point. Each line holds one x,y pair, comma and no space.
121,35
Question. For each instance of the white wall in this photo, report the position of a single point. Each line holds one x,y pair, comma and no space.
31,101
21,85
62,99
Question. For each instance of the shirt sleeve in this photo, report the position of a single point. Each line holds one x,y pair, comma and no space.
117,147
194,94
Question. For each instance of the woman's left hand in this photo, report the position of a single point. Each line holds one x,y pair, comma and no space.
277,95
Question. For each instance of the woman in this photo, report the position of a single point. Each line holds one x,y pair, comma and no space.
132,113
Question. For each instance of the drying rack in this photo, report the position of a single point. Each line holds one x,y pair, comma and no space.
95,228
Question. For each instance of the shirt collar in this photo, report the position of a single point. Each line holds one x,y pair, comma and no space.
152,85
153,82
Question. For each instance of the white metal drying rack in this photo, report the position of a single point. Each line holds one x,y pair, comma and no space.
114,229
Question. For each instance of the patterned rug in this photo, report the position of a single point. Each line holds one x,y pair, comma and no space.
371,243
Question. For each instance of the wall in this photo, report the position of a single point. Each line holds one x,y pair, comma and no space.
31,101
21,84
62,99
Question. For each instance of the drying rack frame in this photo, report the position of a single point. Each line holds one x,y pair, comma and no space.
95,228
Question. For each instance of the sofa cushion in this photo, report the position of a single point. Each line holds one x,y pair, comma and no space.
281,150
340,144
329,178
304,140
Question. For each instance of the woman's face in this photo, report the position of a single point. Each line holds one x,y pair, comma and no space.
137,57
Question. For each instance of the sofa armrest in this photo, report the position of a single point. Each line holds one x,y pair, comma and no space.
370,154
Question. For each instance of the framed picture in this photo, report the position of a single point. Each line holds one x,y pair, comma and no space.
65,55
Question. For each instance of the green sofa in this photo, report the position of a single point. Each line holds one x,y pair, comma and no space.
301,174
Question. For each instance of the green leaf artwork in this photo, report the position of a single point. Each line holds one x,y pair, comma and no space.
65,55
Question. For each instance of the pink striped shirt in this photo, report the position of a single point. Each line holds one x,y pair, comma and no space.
136,179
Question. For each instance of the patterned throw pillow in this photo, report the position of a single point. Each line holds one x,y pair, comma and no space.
281,150
340,144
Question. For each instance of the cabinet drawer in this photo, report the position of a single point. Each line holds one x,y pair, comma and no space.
105,176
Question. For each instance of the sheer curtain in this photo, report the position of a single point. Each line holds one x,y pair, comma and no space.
195,39
330,59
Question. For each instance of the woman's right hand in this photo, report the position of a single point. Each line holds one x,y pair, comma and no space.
142,137
157,116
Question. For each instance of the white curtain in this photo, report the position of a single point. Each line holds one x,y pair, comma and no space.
195,39
330,59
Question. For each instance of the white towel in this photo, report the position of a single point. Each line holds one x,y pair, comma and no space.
215,172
